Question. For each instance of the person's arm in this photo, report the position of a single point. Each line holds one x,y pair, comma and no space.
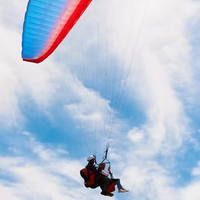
105,173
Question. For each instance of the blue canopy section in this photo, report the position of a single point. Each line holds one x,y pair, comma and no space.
40,20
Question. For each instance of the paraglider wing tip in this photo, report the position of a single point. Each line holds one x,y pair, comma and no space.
32,60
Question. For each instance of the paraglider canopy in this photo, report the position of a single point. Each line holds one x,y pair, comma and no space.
46,24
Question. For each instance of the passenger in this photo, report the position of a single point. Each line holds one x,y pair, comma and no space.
106,180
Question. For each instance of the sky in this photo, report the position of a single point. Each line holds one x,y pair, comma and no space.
126,75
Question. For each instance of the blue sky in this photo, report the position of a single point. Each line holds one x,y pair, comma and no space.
127,73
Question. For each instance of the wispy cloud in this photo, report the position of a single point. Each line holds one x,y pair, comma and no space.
45,174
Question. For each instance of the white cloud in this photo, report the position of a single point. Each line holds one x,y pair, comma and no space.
47,176
136,135
196,170
191,191
161,71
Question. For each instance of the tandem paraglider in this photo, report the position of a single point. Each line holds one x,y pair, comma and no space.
46,25
99,177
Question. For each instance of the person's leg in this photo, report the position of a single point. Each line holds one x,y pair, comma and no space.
119,186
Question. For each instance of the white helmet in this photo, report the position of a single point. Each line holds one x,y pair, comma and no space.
90,158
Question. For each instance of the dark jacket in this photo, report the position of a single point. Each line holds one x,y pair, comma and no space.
91,167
